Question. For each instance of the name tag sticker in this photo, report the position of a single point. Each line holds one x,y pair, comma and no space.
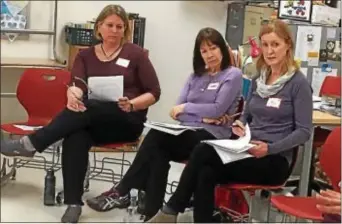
122,62
273,102
213,86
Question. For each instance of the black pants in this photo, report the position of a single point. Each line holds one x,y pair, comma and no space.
205,170
101,123
150,167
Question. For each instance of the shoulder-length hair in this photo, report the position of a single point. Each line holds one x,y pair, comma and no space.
108,11
210,36
282,30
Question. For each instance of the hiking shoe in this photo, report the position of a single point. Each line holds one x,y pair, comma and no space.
15,148
72,214
108,201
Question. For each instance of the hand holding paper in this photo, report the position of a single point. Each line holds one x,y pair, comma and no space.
106,88
259,150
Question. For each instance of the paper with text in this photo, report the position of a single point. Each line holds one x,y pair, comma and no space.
237,146
106,88
304,45
173,129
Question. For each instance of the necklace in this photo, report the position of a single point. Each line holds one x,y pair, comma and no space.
110,56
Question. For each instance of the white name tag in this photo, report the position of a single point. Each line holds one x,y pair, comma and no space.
122,62
273,102
213,86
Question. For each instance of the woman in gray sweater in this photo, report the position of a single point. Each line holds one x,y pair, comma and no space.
279,114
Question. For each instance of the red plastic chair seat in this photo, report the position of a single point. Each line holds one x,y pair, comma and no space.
118,145
301,207
251,187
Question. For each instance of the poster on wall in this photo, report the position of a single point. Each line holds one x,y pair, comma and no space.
13,16
300,10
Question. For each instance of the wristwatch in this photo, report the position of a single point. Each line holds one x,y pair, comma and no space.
131,107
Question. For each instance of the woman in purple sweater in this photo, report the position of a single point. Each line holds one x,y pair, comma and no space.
84,122
213,90
279,114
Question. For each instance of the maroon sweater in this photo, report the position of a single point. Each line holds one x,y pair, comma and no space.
139,76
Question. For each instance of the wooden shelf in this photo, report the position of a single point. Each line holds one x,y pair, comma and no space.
30,63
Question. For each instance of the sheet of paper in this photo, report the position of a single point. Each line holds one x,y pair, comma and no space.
172,126
313,58
303,45
27,128
305,71
106,88
228,157
331,33
316,99
318,77
239,145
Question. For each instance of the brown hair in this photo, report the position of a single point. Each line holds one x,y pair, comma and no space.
282,30
112,10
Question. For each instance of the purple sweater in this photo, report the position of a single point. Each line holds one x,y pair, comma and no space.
211,97
285,127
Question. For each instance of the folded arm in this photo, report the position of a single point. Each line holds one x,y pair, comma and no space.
228,92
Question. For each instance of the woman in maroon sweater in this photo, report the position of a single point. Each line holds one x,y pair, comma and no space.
87,122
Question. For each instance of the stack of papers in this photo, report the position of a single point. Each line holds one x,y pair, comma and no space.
232,150
173,129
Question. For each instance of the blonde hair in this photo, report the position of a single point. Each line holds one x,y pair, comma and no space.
112,10
281,30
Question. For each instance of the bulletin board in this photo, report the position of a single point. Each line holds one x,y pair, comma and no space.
319,49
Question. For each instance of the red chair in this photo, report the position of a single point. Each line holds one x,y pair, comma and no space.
42,93
330,160
331,87
252,190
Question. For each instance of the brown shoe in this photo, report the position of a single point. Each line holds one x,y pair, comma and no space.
162,217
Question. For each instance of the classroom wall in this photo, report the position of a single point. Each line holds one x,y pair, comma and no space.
171,28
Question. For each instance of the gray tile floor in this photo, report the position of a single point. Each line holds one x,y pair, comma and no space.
22,199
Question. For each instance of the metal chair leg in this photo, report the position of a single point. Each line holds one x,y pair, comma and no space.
250,217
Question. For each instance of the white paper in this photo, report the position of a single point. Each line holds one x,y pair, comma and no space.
172,126
106,88
237,146
331,33
173,129
304,71
303,46
318,77
228,157
27,128
316,99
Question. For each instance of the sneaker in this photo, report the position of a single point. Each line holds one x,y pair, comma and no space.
72,214
108,201
15,148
